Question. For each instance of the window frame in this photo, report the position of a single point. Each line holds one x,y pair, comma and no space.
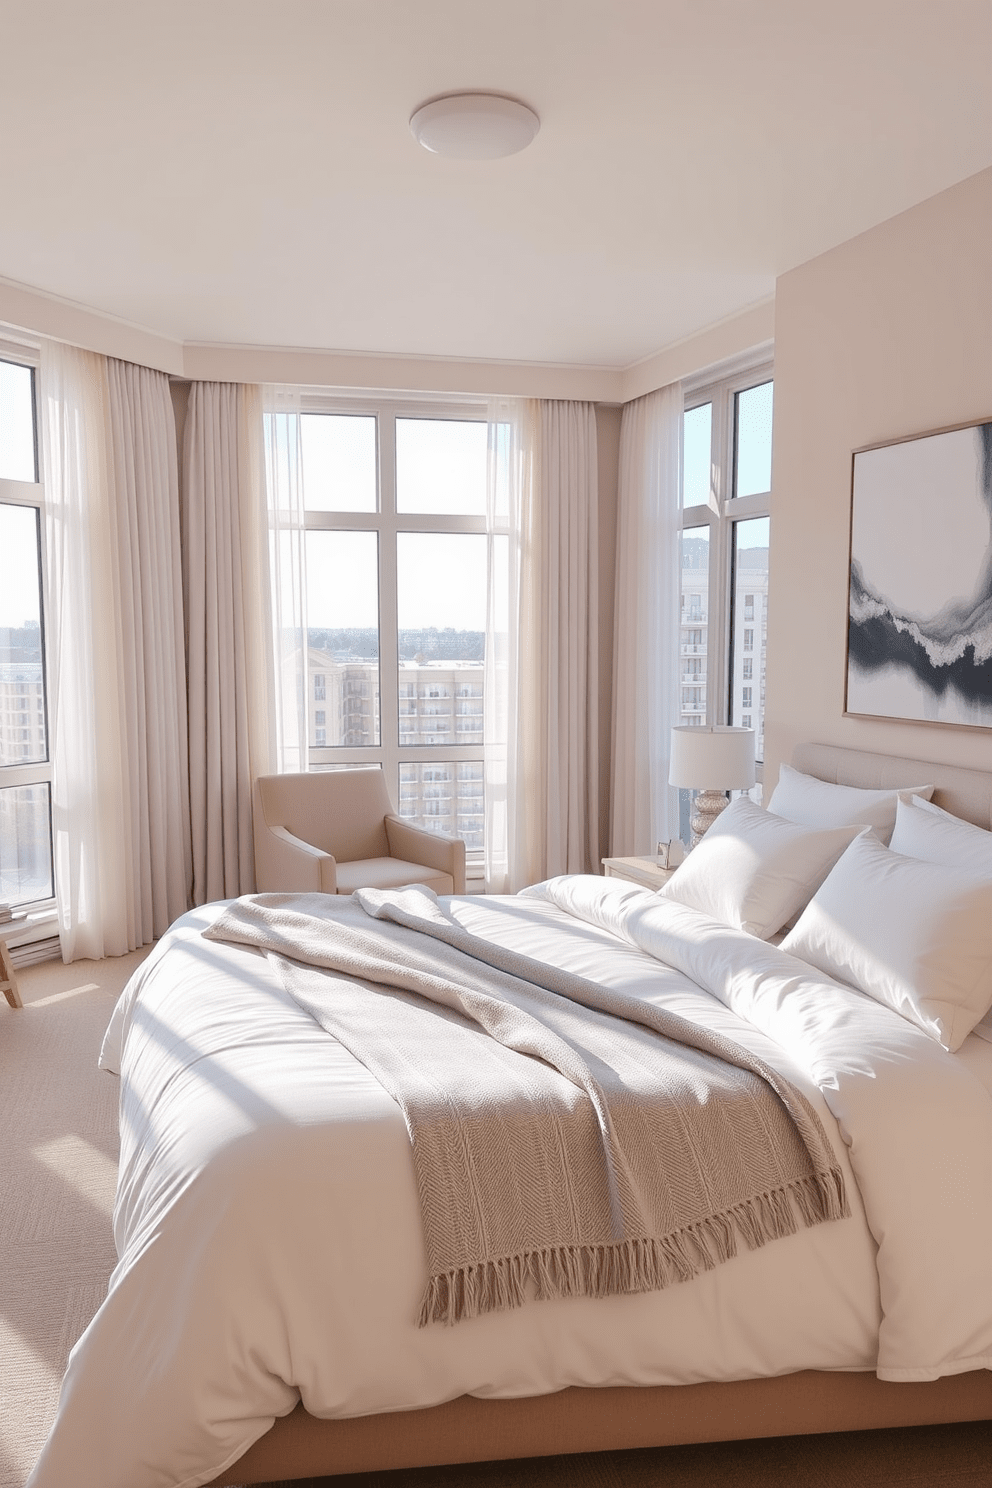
720,388
390,753
31,495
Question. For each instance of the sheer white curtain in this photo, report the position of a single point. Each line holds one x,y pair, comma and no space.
542,680
120,806
225,580
513,426
645,658
287,576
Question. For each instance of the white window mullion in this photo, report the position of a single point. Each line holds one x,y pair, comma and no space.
719,604
388,643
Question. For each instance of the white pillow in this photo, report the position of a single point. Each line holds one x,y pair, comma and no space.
936,836
755,870
818,803
916,936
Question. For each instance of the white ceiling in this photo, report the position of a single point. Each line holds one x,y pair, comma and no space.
233,172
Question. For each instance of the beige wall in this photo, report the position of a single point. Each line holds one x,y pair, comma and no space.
888,335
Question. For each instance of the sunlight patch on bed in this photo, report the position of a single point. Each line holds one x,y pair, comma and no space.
83,1167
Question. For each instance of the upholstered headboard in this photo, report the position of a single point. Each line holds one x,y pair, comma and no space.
966,793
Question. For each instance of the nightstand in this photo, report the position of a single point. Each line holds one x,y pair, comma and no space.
647,872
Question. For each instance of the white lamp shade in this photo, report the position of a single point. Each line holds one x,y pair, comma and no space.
719,758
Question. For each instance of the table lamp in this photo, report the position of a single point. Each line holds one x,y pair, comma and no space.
711,761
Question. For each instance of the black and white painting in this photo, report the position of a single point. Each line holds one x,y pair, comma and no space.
920,626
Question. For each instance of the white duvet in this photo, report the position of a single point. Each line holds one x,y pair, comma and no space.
269,1235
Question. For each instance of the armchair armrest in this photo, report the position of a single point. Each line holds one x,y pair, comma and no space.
286,864
435,850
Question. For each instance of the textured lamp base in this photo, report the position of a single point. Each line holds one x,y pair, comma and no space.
705,810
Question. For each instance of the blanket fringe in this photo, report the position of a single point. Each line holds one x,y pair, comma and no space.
634,1265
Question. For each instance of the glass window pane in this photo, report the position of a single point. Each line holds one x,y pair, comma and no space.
441,466
697,439
343,638
445,796
753,446
441,618
693,625
750,628
23,728
16,423
25,844
339,462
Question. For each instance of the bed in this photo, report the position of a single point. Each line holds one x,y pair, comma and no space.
261,1323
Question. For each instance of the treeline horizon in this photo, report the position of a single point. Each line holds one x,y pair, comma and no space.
427,643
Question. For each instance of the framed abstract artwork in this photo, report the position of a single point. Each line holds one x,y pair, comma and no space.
920,608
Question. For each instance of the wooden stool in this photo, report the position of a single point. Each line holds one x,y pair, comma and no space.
8,981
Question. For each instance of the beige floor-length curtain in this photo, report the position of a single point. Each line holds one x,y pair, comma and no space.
117,714
228,657
646,634
545,476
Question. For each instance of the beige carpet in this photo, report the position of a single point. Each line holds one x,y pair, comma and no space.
58,1171
58,1150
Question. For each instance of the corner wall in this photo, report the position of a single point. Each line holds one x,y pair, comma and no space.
888,335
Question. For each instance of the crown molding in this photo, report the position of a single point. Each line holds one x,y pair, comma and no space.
35,314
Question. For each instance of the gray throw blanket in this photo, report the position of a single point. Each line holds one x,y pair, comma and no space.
568,1140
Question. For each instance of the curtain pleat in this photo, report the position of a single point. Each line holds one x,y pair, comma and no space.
646,633
567,595
116,682
146,479
542,659
226,600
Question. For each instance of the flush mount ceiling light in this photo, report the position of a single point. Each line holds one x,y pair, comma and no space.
474,126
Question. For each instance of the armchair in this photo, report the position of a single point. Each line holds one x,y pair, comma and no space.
335,831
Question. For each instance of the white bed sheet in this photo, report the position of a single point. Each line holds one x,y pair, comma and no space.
269,1234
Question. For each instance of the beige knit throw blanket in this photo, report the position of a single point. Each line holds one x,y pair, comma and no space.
569,1140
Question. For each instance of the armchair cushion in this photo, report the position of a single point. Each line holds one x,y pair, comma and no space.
334,831
390,873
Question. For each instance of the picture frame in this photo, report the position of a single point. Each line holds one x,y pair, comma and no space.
919,636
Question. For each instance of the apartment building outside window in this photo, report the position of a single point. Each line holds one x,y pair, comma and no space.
397,561
26,876
726,503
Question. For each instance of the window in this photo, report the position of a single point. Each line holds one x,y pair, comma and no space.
726,500
397,562
25,772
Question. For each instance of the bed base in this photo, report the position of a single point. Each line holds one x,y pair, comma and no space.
603,1420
